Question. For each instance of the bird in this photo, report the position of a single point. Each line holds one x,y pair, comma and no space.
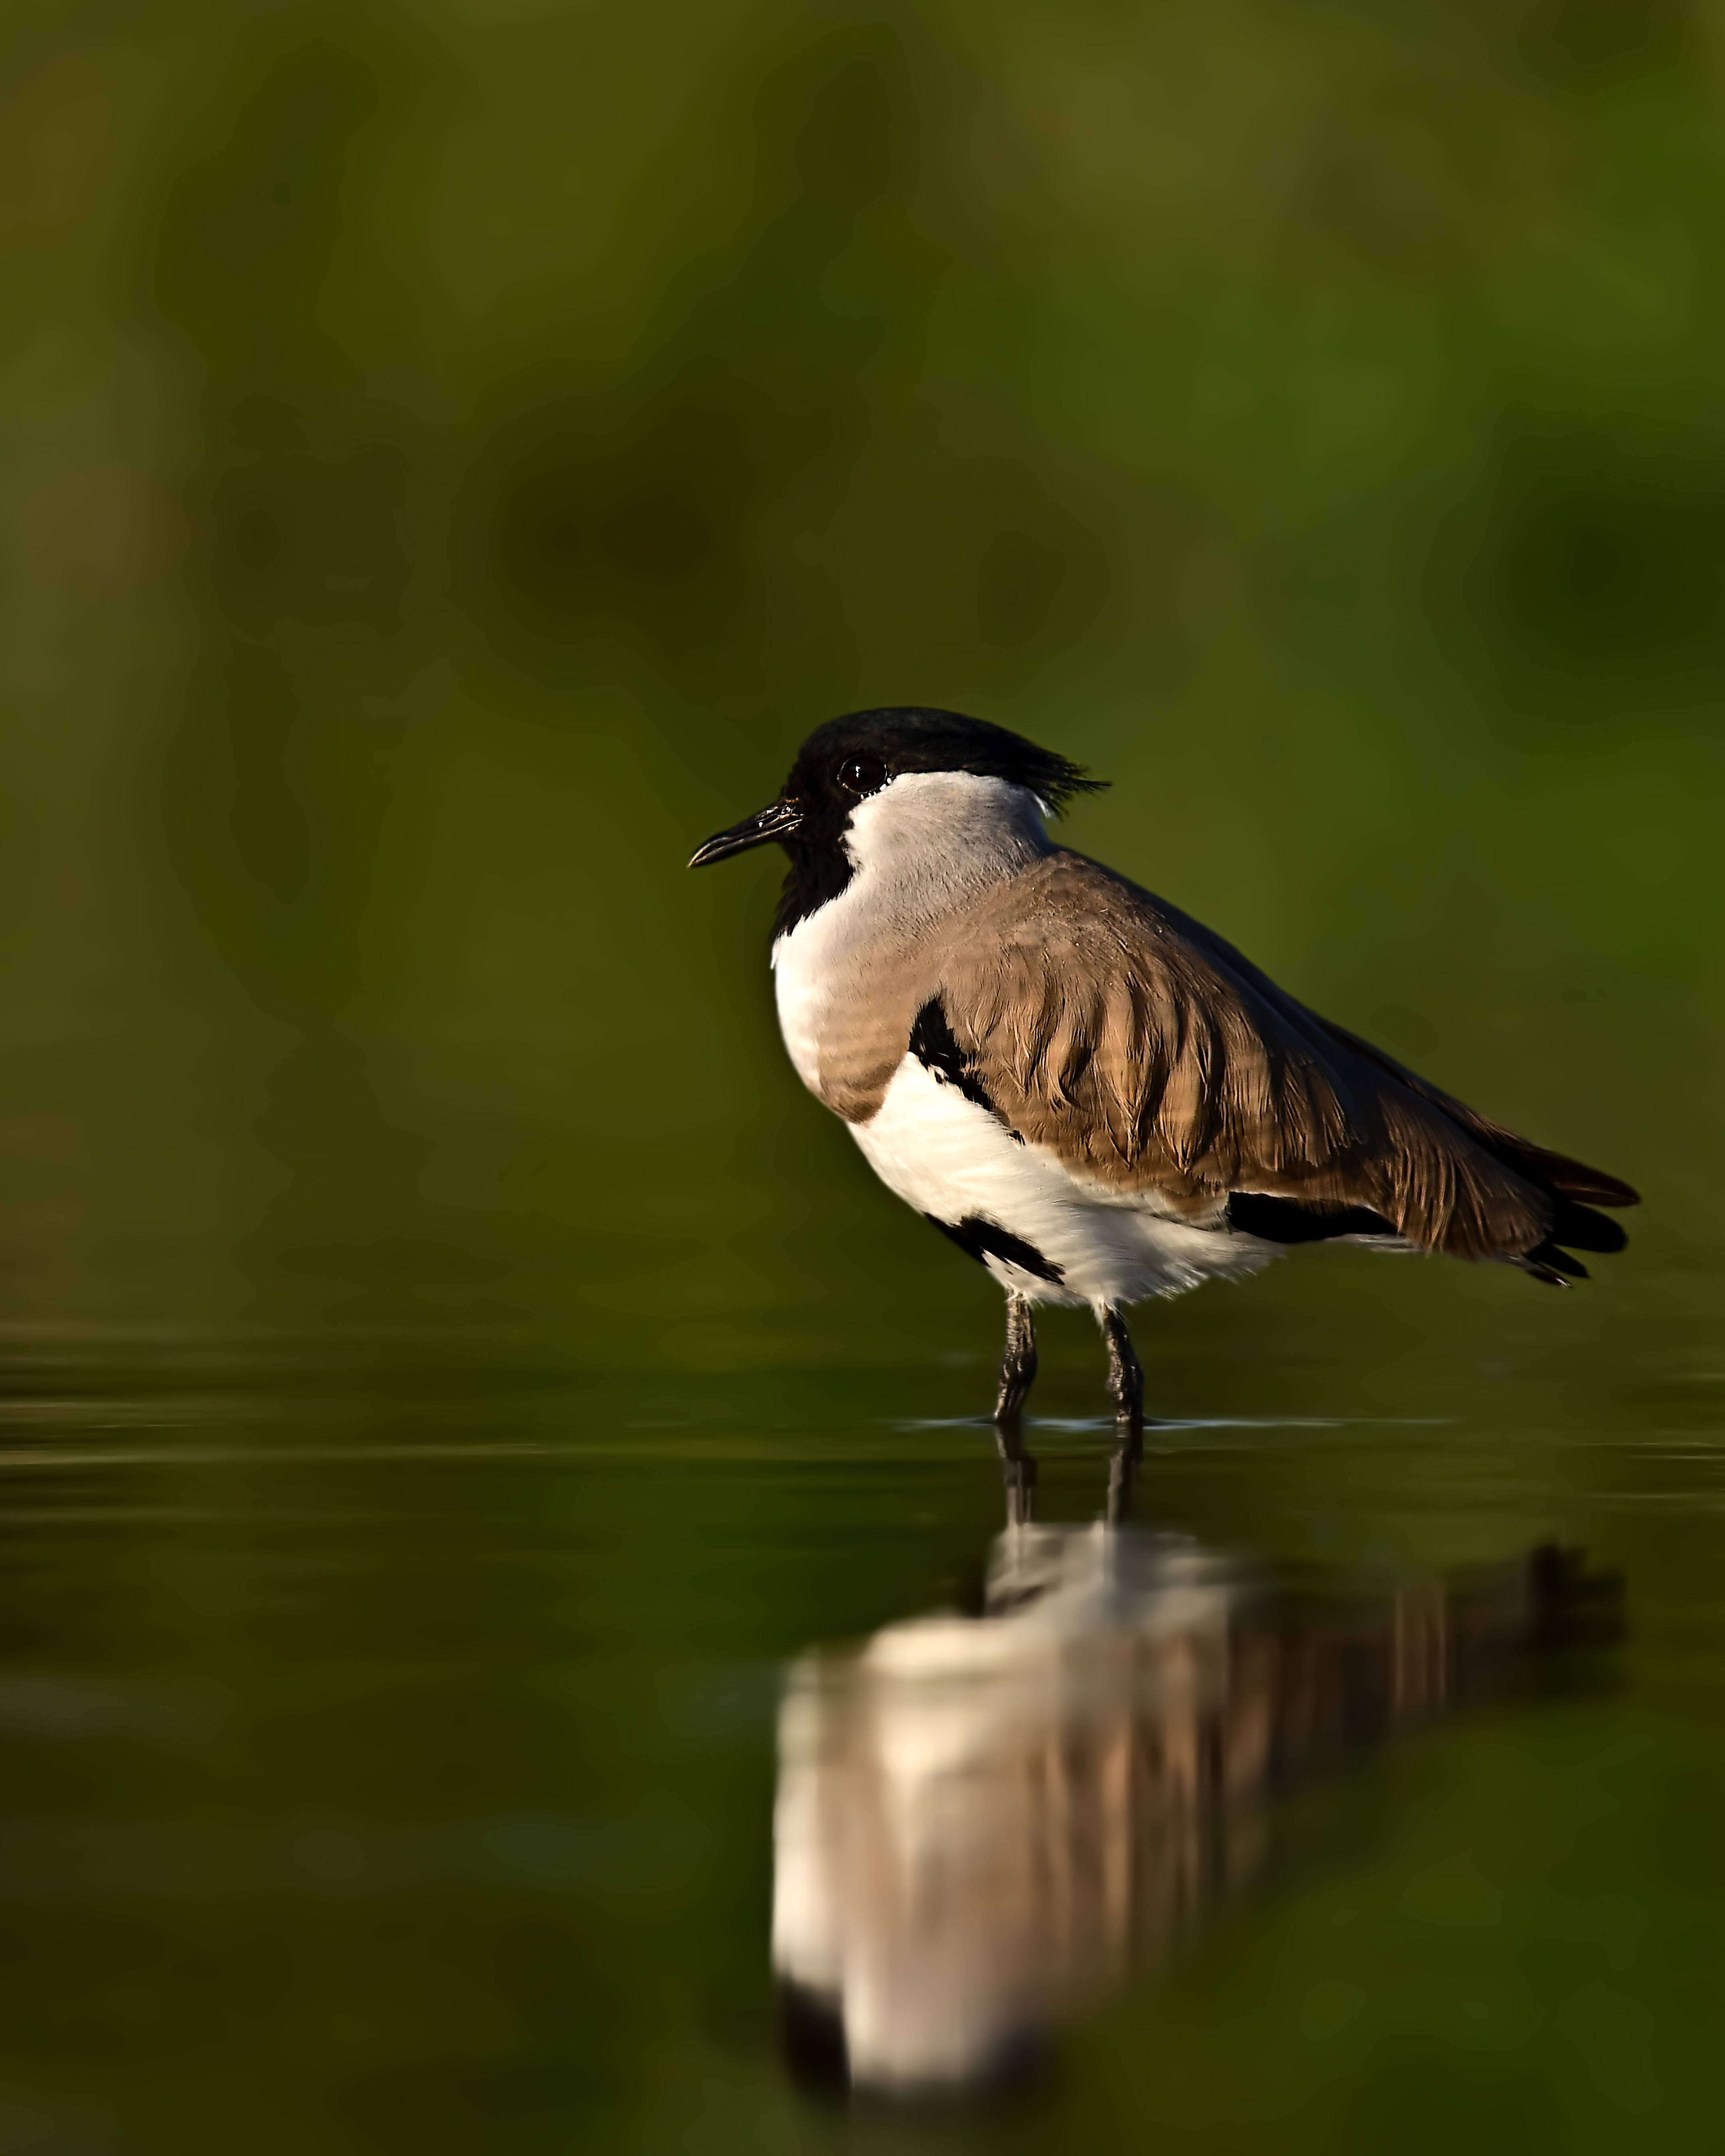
1092,1095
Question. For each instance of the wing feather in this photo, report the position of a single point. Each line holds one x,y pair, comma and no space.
1150,1055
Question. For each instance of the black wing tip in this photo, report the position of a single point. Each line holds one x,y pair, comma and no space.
1556,1268
1578,1225
1586,1230
1575,1225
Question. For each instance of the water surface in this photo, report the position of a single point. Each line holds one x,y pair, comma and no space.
393,1723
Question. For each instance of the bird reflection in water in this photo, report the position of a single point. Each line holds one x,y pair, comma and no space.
982,1823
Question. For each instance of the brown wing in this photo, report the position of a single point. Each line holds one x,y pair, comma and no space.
1148,1053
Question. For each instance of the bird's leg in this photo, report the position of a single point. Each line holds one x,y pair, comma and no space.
1018,1365
1125,1373
1126,1389
1017,1373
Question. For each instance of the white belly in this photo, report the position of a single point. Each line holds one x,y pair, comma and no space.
949,1157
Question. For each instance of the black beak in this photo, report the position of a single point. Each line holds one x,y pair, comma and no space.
777,822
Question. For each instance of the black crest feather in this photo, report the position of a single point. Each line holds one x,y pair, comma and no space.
915,737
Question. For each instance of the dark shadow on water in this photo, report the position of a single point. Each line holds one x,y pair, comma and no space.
985,1823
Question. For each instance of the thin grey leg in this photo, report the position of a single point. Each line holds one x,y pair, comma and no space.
1126,1389
1125,1373
1017,1374
1018,1366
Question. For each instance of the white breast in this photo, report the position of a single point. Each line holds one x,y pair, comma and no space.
807,964
949,1157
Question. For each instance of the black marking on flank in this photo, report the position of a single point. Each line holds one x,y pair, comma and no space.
982,1239
934,1047
1284,1220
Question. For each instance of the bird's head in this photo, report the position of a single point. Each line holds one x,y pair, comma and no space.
862,770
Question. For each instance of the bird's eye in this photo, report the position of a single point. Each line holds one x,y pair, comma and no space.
862,774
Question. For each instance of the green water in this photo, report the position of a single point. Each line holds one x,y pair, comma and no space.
462,1400
389,1718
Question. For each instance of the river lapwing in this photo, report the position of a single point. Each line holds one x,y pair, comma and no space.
1087,1091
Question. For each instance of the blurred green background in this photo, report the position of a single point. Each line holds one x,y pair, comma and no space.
450,453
